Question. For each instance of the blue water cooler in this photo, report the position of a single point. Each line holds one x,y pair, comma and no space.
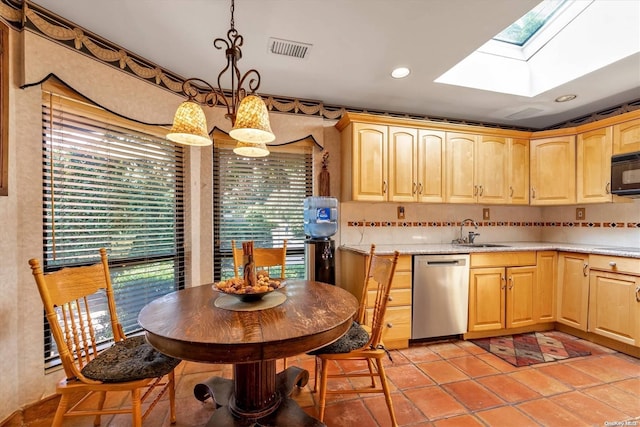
320,223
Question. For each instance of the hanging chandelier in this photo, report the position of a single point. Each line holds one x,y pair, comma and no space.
247,111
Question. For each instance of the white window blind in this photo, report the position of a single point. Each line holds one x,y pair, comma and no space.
260,199
111,183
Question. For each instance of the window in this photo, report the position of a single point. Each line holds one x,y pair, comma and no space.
111,183
260,199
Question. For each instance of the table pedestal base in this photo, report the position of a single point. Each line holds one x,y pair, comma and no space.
268,406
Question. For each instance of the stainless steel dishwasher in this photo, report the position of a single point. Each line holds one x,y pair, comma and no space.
440,295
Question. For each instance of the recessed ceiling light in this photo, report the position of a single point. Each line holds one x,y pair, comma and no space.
565,98
400,72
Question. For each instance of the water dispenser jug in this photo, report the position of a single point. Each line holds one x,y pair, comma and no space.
320,216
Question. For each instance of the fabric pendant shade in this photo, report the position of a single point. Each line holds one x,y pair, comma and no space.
252,121
251,149
189,126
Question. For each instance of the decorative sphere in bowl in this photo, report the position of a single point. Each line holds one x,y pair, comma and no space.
237,287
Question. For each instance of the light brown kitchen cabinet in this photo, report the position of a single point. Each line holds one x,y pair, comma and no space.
431,165
397,321
573,289
626,137
518,170
364,153
614,298
553,171
486,169
501,290
403,164
460,158
546,283
593,166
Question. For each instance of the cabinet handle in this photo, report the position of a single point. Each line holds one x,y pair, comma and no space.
481,190
390,298
607,188
612,264
502,280
638,293
475,190
584,269
533,193
510,282
510,191
384,187
414,188
389,325
419,188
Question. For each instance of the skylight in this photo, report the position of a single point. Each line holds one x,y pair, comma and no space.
572,38
524,28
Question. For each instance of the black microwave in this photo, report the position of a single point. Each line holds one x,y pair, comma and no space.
625,174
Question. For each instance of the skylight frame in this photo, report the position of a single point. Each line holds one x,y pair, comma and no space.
544,7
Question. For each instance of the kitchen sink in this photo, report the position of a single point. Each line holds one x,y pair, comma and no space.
482,245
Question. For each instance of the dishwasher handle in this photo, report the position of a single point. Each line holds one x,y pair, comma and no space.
446,262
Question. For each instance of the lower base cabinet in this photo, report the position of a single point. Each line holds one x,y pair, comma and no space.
573,289
501,291
614,298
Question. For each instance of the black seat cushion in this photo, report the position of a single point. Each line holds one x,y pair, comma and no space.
128,360
355,338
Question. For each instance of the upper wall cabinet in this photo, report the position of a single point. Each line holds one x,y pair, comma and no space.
626,137
365,161
487,169
593,166
553,171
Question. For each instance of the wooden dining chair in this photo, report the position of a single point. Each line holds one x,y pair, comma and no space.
264,258
363,341
74,299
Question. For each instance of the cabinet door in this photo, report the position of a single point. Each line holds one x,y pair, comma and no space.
519,172
626,137
369,162
403,184
521,283
491,169
460,168
431,166
486,299
553,171
593,166
614,310
573,290
544,296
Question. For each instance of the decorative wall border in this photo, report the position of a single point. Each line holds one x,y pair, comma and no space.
22,14
576,224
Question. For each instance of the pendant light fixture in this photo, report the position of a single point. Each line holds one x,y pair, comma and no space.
247,111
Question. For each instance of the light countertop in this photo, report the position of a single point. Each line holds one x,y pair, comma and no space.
448,248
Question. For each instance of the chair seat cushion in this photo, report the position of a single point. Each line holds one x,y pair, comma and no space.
129,360
355,338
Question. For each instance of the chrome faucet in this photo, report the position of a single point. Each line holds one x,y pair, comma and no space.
472,235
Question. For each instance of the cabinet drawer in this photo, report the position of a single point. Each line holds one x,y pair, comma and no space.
397,297
397,323
615,264
404,262
503,259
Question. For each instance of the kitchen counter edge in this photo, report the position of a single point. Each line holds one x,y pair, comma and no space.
448,248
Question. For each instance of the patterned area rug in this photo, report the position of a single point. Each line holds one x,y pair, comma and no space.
531,348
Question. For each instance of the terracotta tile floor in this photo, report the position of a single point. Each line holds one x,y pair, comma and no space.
454,384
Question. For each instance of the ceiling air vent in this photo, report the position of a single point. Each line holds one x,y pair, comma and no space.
289,48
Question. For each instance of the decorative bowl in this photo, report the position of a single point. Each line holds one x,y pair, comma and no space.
247,294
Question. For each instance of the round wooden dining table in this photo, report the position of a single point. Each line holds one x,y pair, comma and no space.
190,325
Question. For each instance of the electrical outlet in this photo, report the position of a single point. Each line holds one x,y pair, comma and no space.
400,212
486,215
580,214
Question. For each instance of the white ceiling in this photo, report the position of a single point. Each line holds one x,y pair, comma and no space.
356,43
